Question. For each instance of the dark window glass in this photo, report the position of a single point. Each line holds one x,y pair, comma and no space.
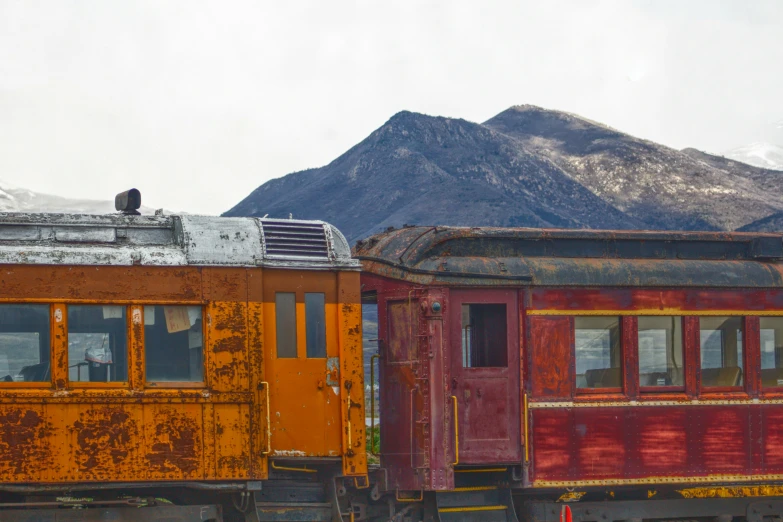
315,319
484,340
660,351
598,355
721,351
97,343
285,324
173,344
771,351
24,343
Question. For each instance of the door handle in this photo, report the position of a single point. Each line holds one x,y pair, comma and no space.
453,383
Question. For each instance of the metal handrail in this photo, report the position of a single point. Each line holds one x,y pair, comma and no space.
456,430
373,450
268,422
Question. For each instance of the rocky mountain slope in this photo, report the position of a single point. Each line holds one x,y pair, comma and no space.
663,187
527,166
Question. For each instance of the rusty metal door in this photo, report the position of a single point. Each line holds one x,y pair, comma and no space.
484,345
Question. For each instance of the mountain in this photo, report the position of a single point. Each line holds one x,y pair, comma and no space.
663,187
527,166
773,223
425,169
764,155
16,199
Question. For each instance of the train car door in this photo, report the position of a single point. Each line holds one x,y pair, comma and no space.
301,349
484,345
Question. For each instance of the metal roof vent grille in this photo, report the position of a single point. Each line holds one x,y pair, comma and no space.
295,239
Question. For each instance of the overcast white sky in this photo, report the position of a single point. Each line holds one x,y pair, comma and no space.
196,103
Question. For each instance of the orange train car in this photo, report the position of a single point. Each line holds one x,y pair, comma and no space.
178,367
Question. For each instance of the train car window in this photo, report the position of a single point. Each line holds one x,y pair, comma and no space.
97,343
771,352
660,351
484,339
403,327
24,343
721,351
173,344
597,352
285,324
315,325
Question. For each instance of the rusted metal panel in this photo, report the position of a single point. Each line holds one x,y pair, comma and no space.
551,357
104,283
402,399
491,256
173,442
59,352
436,423
351,374
25,442
232,433
226,359
675,301
131,432
104,441
260,444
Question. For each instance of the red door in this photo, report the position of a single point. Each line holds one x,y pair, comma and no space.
484,344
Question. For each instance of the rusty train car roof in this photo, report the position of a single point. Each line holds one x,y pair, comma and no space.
171,240
464,256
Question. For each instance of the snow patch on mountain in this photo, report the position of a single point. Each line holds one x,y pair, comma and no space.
761,154
17,199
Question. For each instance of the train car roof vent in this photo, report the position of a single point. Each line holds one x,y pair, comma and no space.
290,238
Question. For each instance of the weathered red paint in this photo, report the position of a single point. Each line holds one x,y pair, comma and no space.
588,299
628,443
421,372
550,357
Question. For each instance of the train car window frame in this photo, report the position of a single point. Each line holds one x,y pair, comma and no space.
777,355
176,383
315,325
42,383
620,353
99,384
292,337
683,349
741,345
484,344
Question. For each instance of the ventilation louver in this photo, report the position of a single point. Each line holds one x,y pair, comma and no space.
295,239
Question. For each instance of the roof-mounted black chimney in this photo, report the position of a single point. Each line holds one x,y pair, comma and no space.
128,202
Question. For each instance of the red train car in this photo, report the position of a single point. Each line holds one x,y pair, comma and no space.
637,374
